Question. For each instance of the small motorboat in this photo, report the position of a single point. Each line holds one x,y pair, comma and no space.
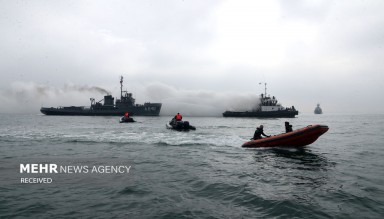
297,138
126,119
180,125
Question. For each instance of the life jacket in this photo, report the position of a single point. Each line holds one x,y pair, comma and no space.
178,117
126,115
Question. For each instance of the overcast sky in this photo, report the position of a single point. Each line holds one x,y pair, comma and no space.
197,57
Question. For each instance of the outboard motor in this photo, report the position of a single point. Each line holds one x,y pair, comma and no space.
186,125
179,125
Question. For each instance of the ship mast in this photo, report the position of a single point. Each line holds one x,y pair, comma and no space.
121,87
265,89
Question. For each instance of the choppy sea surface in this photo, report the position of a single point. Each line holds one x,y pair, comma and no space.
196,174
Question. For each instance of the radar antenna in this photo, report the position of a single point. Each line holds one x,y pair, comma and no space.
265,88
121,87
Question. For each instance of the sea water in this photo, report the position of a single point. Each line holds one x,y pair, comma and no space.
196,174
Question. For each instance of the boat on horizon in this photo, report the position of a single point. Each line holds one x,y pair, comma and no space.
126,103
267,108
318,110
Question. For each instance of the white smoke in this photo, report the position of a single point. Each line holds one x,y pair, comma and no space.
199,102
25,97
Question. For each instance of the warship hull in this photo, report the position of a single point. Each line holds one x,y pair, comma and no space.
261,114
318,110
145,110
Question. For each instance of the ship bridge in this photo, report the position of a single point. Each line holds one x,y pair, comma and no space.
269,104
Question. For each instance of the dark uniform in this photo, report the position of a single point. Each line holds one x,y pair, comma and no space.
288,127
259,131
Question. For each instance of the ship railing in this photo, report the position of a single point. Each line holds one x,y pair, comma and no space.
62,107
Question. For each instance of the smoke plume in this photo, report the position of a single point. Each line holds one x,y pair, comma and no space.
29,97
24,97
199,102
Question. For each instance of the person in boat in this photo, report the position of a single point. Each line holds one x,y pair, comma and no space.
288,127
178,117
126,118
258,132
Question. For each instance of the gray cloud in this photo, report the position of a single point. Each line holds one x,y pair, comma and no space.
309,11
194,53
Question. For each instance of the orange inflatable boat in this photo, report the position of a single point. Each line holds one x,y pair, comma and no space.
296,138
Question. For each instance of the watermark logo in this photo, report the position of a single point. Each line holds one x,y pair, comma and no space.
54,168
66,171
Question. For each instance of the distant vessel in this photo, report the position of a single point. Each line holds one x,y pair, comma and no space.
126,103
267,108
318,110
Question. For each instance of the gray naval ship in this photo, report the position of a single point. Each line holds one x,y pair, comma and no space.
126,103
267,108
318,110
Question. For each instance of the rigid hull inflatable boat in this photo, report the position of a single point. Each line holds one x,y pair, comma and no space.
297,138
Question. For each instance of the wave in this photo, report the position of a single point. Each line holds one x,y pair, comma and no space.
164,143
134,190
158,139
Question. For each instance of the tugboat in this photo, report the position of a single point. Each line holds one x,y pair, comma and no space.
318,110
126,103
267,108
